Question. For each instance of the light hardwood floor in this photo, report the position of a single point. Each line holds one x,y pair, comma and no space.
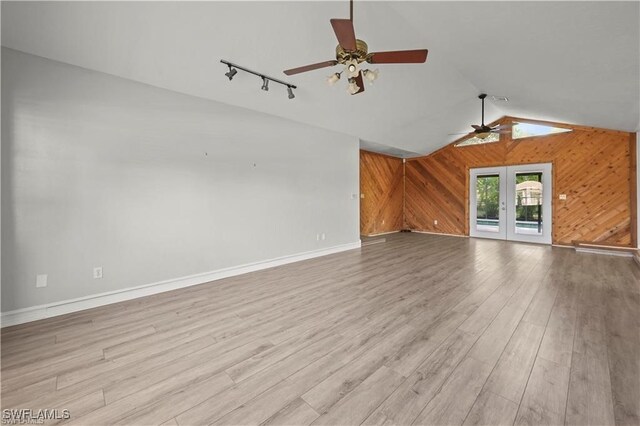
421,329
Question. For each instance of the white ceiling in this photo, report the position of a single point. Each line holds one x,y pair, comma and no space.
576,62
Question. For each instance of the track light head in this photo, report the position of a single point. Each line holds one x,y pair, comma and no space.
265,84
290,91
232,72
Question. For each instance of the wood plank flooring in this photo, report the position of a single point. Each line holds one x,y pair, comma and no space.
420,329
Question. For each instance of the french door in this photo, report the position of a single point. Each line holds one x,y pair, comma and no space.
511,203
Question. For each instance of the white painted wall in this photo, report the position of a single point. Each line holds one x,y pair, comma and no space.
638,187
154,185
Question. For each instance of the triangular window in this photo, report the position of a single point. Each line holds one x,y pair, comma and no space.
527,130
474,140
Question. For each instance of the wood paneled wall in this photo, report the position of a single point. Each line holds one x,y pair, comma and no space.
381,193
594,167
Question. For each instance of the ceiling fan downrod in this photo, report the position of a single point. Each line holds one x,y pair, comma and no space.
482,96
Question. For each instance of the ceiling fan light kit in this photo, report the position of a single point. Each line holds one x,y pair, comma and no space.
353,87
333,78
352,67
351,52
233,70
370,75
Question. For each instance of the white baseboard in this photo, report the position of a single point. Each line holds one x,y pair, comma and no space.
20,316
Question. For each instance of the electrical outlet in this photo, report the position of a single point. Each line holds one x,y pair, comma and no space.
383,221
317,237
435,222
41,280
562,196
97,272
322,236
361,195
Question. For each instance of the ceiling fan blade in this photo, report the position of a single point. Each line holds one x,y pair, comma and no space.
456,134
359,82
399,57
345,33
475,126
501,127
311,67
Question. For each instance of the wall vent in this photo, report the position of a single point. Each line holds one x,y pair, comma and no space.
499,98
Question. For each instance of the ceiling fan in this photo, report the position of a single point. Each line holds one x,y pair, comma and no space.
482,131
351,52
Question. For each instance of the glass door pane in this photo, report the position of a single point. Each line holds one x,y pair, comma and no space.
528,205
488,203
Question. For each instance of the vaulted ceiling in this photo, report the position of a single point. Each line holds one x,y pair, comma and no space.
575,62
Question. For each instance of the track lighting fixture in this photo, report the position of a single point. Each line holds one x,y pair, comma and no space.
233,70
